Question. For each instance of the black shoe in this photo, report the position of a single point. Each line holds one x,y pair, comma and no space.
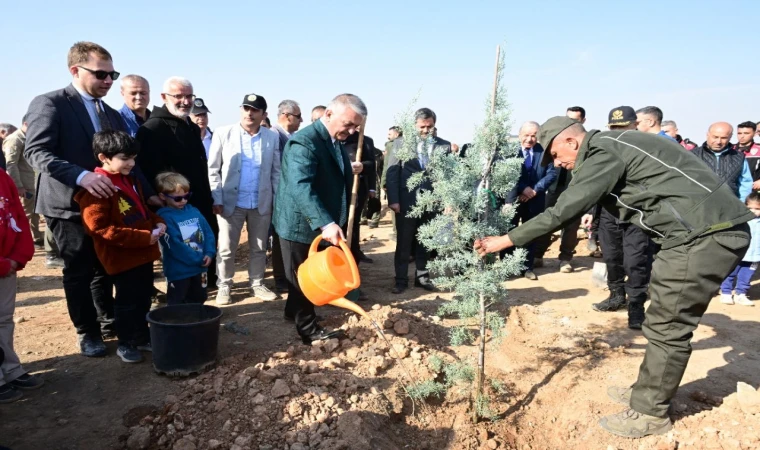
129,353
425,284
372,225
158,296
53,262
91,346
27,382
636,315
614,302
365,259
399,288
281,287
9,394
321,335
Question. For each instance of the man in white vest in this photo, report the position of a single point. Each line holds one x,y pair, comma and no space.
244,170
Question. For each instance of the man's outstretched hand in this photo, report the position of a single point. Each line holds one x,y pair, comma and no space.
492,244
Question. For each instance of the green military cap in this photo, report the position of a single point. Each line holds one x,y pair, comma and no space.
548,131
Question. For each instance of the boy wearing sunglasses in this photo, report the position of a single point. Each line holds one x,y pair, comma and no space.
125,233
188,248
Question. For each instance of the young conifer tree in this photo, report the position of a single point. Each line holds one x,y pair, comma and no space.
467,203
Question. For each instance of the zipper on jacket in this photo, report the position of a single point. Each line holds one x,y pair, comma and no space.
641,216
673,210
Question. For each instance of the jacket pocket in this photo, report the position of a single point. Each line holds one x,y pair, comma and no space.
734,240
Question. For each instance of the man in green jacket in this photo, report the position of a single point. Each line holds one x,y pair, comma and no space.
700,224
313,197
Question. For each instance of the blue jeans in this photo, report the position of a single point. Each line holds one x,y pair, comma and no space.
743,275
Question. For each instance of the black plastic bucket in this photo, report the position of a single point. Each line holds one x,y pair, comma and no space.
184,338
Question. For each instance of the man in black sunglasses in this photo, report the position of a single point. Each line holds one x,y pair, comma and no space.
62,124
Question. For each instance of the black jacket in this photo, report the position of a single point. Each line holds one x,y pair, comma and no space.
169,143
728,166
368,177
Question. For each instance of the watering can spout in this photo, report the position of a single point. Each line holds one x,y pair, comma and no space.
349,305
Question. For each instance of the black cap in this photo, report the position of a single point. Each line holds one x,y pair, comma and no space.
254,101
548,131
622,116
199,107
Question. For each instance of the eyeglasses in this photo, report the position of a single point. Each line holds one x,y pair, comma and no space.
297,116
179,198
102,74
181,97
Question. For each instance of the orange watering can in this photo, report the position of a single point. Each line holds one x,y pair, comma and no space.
327,276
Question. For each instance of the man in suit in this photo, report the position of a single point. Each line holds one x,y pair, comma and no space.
401,200
244,171
171,142
59,148
289,120
313,197
531,188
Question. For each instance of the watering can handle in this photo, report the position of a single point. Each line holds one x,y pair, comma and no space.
354,283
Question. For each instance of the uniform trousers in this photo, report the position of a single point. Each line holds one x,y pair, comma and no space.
684,279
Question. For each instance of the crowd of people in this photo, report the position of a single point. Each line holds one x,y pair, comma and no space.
122,189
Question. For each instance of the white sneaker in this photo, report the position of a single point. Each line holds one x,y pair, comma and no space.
726,299
262,292
223,296
742,299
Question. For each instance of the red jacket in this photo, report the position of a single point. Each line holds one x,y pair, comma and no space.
15,237
119,229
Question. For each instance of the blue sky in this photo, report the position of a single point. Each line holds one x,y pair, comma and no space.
695,60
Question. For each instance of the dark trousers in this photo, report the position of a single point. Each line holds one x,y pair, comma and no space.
684,279
742,275
134,287
360,202
406,242
298,306
88,289
625,248
525,212
278,268
568,239
189,290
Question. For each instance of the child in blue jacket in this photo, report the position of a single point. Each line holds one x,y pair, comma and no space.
188,247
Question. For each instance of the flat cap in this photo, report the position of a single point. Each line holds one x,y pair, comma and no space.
548,131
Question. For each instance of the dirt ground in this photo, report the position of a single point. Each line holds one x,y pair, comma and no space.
554,366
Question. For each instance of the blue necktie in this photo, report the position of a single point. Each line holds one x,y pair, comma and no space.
528,159
343,209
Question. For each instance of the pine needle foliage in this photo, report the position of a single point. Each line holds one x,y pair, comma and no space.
465,207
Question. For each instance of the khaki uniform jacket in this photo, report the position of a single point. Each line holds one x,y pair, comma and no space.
645,180
17,167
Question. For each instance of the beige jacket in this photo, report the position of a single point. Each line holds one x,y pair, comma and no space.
17,167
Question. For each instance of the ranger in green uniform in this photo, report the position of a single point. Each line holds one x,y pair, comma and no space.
654,184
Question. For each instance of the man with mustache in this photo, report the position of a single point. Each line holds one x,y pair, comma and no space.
170,141
136,93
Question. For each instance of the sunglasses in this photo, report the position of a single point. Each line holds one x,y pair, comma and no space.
179,198
102,74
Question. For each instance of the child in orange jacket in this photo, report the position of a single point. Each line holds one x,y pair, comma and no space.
125,234
16,249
